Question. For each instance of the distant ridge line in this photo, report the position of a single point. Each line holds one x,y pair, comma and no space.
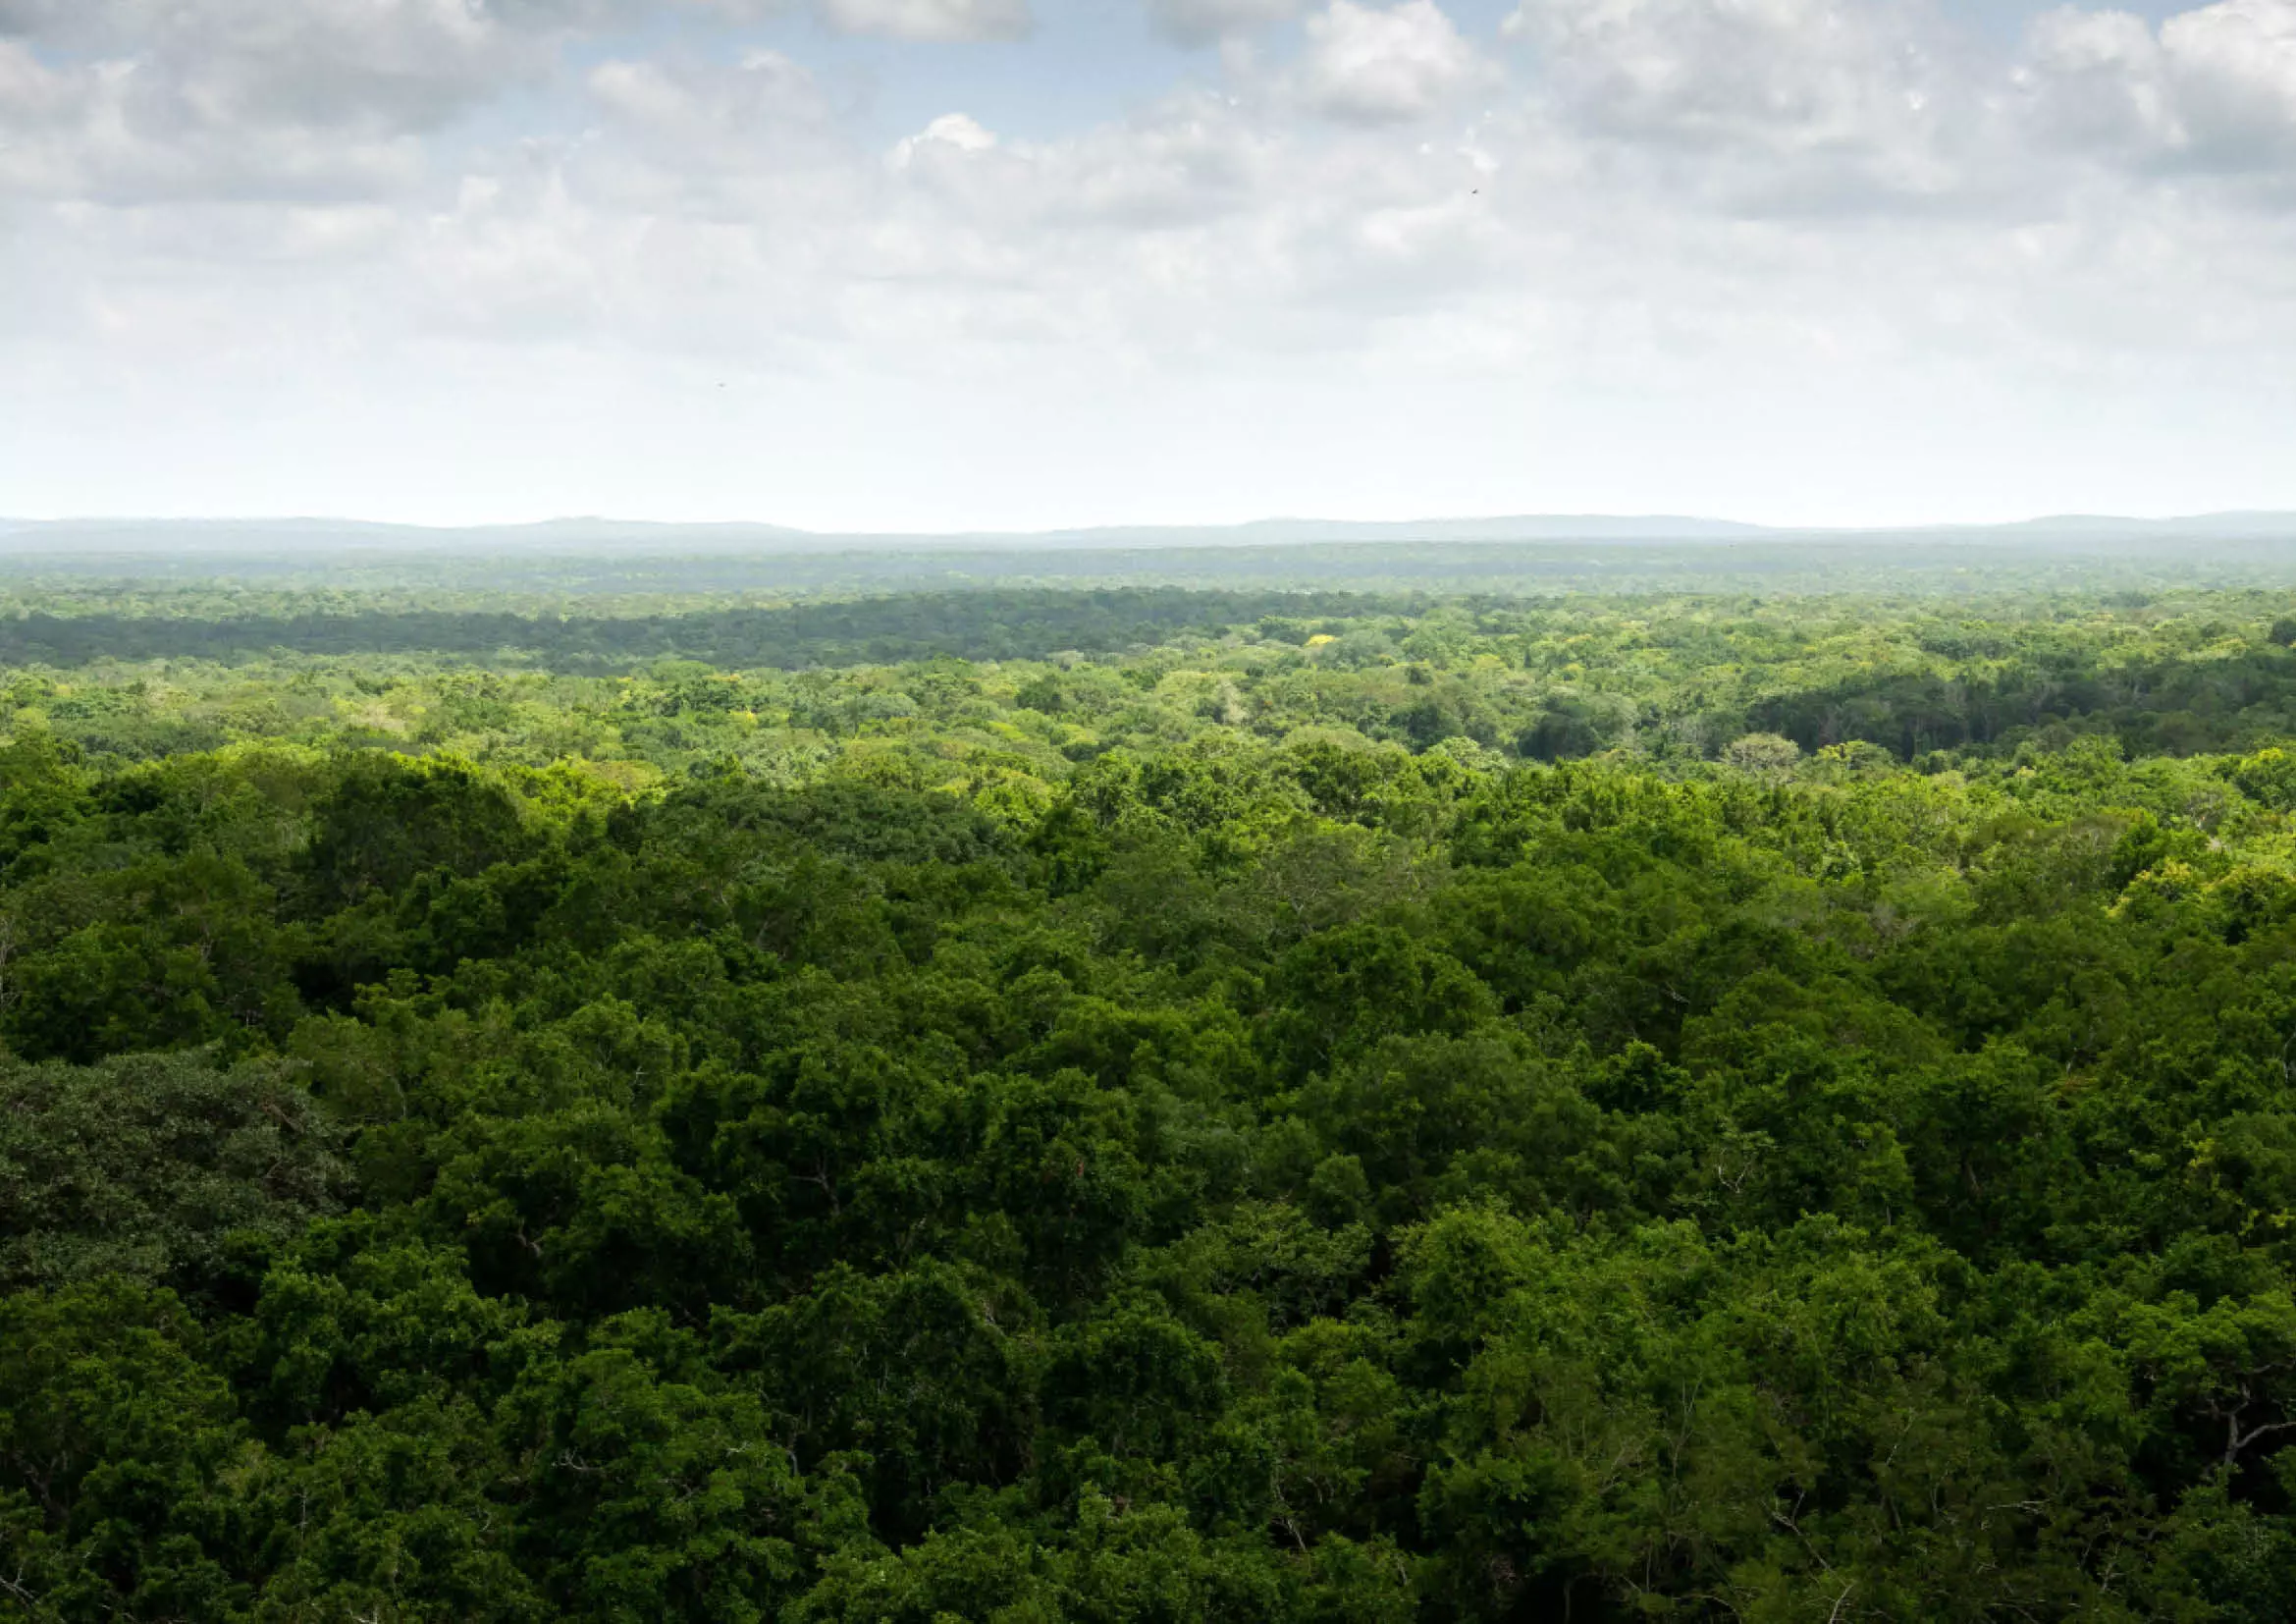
250,536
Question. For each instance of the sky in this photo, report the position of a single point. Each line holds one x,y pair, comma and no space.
966,264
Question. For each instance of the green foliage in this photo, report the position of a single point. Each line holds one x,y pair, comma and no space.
1353,1112
155,1166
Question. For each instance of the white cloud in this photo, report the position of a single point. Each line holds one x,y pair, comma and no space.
689,114
1776,107
959,130
955,132
1654,212
1186,165
1706,70
139,101
319,64
1201,22
2211,89
107,134
1388,64
2234,65
929,20
2096,82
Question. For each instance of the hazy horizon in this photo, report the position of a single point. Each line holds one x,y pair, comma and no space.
1457,527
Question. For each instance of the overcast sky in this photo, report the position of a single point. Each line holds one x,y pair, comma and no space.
962,263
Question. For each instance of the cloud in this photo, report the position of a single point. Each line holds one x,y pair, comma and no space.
115,21
2212,88
1631,200
2096,82
1203,22
1375,65
689,113
2236,69
1776,107
956,132
105,133
1187,166
398,65
137,100
929,21
1700,71
68,19
122,101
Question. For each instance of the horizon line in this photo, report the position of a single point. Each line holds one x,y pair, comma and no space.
16,523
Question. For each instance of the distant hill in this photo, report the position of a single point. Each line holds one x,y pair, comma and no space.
2243,527
306,538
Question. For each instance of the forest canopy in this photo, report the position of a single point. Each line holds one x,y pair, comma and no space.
1032,1104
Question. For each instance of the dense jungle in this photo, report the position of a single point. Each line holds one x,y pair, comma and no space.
1132,1102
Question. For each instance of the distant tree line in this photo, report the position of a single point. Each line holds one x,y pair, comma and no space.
986,624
